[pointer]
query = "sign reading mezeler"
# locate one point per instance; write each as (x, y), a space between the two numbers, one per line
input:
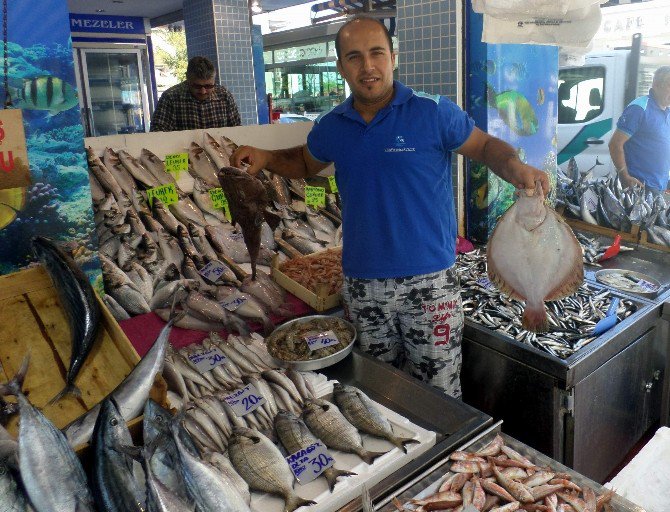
(14, 168)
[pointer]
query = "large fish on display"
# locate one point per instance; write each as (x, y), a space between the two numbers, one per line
(248, 201)
(533, 256)
(79, 302)
(48, 93)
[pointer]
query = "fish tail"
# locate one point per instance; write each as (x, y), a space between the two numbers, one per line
(69, 389)
(15, 385)
(535, 318)
(332, 474)
(369, 457)
(401, 442)
(293, 501)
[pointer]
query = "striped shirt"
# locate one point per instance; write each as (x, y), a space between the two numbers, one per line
(177, 109)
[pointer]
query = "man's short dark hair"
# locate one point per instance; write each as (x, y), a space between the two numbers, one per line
(358, 18)
(200, 68)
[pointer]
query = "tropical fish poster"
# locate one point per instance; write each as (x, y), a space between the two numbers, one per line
(41, 82)
(512, 95)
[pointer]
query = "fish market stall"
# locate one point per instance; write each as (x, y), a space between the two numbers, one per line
(570, 392)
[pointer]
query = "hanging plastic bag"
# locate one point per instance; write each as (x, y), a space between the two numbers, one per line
(512, 10)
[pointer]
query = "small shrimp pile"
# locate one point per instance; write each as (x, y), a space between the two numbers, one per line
(289, 343)
(324, 268)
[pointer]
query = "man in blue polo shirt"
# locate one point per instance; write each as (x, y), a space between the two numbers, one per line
(640, 146)
(392, 149)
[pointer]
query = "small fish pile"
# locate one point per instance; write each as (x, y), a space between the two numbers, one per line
(571, 320)
(533, 256)
(593, 249)
(289, 343)
(497, 478)
(604, 202)
(312, 272)
(151, 251)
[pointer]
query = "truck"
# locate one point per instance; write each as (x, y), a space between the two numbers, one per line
(591, 98)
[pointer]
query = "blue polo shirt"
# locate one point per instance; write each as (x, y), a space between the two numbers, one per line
(647, 150)
(394, 178)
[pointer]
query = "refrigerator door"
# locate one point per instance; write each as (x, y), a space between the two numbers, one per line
(115, 91)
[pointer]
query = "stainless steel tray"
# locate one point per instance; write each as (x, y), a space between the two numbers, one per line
(629, 281)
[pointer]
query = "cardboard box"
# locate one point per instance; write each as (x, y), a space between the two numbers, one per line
(33, 322)
(320, 301)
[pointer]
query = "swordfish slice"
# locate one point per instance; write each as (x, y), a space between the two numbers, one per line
(533, 256)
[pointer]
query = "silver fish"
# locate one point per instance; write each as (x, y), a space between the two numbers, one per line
(223, 464)
(216, 152)
(137, 170)
(185, 210)
(156, 167)
(201, 166)
(102, 174)
(204, 201)
(120, 173)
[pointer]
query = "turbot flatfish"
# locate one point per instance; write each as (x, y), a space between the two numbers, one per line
(533, 256)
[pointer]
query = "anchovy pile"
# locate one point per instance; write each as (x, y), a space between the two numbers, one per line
(605, 202)
(571, 319)
(152, 252)
(593, 249)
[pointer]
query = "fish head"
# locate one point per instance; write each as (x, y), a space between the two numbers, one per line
(245, 435)
(530, 208)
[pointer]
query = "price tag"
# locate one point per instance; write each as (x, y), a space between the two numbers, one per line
(333, 184)
(321, 340)
(486, 283)
(308, 463)
(176, 163)
(14, 168)
(238, 237)
(646, 285)
(591, 200)
(315, 196)
(206, 360)
(219, 200)
(166, 193)
(233, 301)
(213, 270)
(245, 400)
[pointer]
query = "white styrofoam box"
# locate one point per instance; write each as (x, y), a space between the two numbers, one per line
(349, 487)
(646, 479)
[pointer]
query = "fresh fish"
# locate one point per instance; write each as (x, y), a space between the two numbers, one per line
(202, 167)
(120, 173)
(207, 487)
(226, 242)
(137, 170)
(534, 256)
(204, 201)
(157, 168)
(223, 464)
(320, 224)
(102, 174)
(228, 146)
(302, 244)
(78, 299)
(51, 472)
(186, 211)
(263, 466)
(12, 497)
(211, 311)
(130, 395)
(170, 248)
(281, 193)
(44, 92)
(165, 217)
(216, 152)
(97, 192)
(294, 436)
(364, 415)
(246, 307)
(328, 424)
(113, 482)
(248, 202)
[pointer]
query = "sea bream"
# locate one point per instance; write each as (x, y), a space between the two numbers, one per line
(534, 256)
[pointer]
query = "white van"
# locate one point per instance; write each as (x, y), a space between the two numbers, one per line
(592, 97)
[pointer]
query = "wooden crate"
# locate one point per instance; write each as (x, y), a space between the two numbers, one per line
(644, 241)
(33, 322)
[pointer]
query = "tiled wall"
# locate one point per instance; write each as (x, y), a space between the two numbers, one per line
(220, 31)
(427, 40)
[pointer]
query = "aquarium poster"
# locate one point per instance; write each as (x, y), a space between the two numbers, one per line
(41, 82)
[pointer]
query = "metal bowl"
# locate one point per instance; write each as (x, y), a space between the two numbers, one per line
(627, 281)
(322, 362)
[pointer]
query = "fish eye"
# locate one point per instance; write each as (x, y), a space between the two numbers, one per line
(159, 419)
(114, 422)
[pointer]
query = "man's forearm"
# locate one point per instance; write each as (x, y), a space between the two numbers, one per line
(289, 163)
(498, 155)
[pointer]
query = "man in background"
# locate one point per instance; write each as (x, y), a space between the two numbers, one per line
(195, 103)
(640, 146)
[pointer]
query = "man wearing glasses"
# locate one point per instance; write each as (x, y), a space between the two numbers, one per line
(195, 103)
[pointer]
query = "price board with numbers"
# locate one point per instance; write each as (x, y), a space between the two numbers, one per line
(245, 400)
(308, 464)
(167, 194)
(176, 163)
(321, 340)
(219, 200)
(208, 359)
(315, 196)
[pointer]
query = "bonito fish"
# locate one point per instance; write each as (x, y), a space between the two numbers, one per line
(533, 256)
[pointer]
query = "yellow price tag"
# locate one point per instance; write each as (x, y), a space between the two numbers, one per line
(333, 184)
(166, 193)
(315, 196)
(176, 163)
(219, 200)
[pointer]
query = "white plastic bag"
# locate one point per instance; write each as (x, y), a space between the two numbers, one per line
(513, 9)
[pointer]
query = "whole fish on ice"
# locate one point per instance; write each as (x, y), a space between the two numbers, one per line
(533, 256)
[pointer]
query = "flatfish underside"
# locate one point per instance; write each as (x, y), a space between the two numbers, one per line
(533, 256)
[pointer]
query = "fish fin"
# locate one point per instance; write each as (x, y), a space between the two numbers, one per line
(332, 474)
(570, 286)
(535, 318)
(272, 219)
(401, 442)
(293, 501)
(14, 386)
(69, 389)
(500, 283)
(369, 457)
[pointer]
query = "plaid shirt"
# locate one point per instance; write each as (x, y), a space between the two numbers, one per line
(177, 109)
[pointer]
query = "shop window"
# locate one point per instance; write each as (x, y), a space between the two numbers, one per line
(580, 94)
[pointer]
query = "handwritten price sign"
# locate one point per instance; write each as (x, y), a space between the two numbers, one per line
(321, 340)
(308, 463)
(245, 400)
(213, 270)
(167, 194)
(315, 196)
(333, 184)
(14, 168)
(219, 200)
(484, 282)
(206, 360)
(176, 163)
(234, 301)
(647, 286)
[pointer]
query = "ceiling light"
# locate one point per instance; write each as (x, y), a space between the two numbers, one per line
(256, 7)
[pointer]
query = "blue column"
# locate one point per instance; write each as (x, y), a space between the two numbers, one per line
(220, 30)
